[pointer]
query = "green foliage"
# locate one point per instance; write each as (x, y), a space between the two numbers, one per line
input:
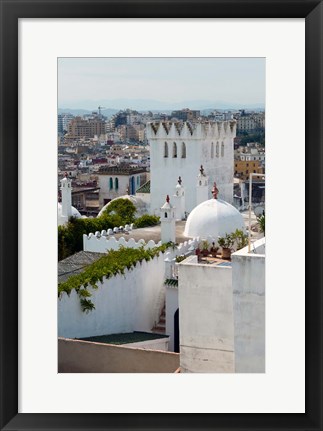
(109, 265)
(70, 237)
(87, 305)
(261, 221)
(247, 137)
(226, 241)
(118, 213)
(180, 258)
(240, 239)
(146, 220)
(122, 208)
(205, 245)
(234, 240)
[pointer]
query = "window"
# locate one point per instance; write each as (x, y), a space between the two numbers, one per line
(183, 150)
(165, 149)
(174, 150)
(217, 150)
(165, 215)
(212, 150)
(111, 183)
(116, 183)
(222, 149)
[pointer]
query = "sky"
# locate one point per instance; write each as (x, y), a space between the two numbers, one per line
(83, 82)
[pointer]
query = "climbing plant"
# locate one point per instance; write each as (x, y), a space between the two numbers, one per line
(118, 213)
(113, 263)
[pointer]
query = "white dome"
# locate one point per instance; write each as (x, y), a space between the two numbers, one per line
(213, 218)
(61, 221)
(139, 203)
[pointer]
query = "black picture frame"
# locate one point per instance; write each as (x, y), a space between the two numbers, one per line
(11, 11)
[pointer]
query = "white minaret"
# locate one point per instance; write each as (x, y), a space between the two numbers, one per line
(66, 189)
(179, 200)
(202, 187)
(167, 220)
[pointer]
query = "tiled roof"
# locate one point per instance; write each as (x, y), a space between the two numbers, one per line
(145, 188)
(75, 264)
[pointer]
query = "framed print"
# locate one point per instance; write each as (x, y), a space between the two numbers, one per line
(287, 392)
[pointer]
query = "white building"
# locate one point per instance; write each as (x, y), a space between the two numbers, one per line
(116, 181)
(179, 149)
(215, 309)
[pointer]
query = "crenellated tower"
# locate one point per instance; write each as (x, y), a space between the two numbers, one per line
(180, 148)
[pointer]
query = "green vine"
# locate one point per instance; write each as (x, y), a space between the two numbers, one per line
(109, 265)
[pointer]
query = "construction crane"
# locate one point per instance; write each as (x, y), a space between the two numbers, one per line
(99, 108)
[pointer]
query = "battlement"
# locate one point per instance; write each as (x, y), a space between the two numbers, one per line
(185, 130)
(101, 243)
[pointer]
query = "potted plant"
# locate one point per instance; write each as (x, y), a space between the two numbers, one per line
(205, 248)
(226, 242)
(214, 250)
(240, 239)
(261, 221)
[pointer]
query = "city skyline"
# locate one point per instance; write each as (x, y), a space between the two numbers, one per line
(161, 83)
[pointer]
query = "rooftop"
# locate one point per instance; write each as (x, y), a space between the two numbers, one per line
(153, 232)
(75, 264)
(122, 169)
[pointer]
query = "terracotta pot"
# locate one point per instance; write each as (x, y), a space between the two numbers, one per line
(214, 251)
(226, 253)
(205, 253)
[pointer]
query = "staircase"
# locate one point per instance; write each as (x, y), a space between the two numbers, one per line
(160, 327)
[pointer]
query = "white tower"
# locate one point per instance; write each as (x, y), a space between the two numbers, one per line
(202, 187)
(167, 219)
(179, 200)
(183, 147)
(66, 189)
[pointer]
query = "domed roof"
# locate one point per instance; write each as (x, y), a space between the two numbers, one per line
(75, 213)
(213, 218)
(139, 203)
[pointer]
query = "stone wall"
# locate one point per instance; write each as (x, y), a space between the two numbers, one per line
(76, 356)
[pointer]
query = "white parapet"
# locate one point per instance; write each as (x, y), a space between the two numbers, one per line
(100, 243)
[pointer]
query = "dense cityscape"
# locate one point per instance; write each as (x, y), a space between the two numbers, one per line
(101, 147)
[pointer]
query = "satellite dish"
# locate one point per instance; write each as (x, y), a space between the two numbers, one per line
(259, 210)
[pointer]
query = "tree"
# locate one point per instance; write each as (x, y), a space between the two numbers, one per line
(123, 208)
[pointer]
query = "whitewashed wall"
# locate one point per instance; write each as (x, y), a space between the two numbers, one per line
(248, 281)
(102, 243)
(124, 303)
(205, 317)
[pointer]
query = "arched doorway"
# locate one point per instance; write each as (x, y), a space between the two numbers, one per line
(176, 331)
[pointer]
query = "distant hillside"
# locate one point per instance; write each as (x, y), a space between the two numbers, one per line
(114, 105)
(106, 112)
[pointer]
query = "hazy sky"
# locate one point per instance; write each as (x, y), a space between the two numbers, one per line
(228, 80)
